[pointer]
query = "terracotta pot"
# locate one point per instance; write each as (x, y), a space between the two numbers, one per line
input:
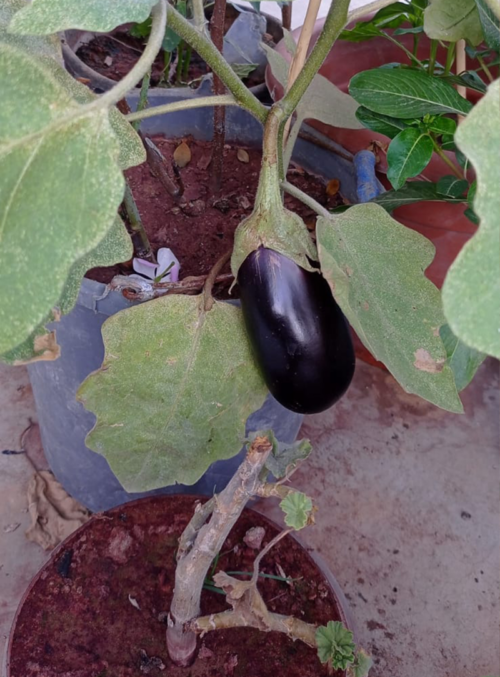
(442, 223)
(99, 606)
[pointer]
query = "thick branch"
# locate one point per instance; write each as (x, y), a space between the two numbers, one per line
(201, 513)
(293, 627)
(193, 566)
(217, 63)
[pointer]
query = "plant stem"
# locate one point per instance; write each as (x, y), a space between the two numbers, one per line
(485, 68)
(178, 72)
(264, 552)
(445, 158)
(194, 564)
(334, 23)
(153, 46)
(411, 56)
(416, 40)
(301, 53)
(460, 67)
(202, 102)
(217, 162)
(306, 199)
(432, 57)
(143, 98)
(198, 14)
(207, 289)
(216, 62)
(136, 225)
(450, 58)
(286, 15)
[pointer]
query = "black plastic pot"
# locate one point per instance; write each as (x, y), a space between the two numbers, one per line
(64, 423)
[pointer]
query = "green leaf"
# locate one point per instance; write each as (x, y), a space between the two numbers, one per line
(392, 16)
(469, 79)
(464, 361)
(472, 193)
(361, 666)
(471, 291)
(286, 457)
(291, 46)
(411, 192)
(383, 124)
(174, 391)
(408, 154)
(132, 151)
(243, 70)
(60, 190)
(278, 64)
(170, 40)
(413, 30)
(141, 30)
(297, 508)
(42, 17)
(335, 645)
(441, 125)
(44, 46)
(364, 30)
(453, 20)
(472, 216)
(490, 24)
(115, 247)
(451, 186)
(375, 267)
(406, 93)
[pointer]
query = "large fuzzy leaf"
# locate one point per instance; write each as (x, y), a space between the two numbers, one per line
(42, 17)
(453, 20)
(471, 291)
(173, 394)
(406, 93)
(60, 189)
(40, 46)
(375, 268)
(490, 23)
(464, 361)
(115, 247)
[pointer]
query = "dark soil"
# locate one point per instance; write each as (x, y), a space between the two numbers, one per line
(115, 54)
(199, 227)
(98, 608)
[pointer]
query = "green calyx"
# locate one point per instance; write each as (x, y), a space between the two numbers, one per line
(270, 225)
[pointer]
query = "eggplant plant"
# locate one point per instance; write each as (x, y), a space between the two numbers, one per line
(200, 545)
(191, 359)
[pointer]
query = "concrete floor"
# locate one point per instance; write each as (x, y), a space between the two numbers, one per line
(408, 500)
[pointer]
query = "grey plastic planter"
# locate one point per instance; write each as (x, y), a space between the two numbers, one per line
(64, 423)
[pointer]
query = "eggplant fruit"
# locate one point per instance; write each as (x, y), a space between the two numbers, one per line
(299, 335)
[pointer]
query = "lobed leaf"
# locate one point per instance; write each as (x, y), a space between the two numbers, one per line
(471, 290)
(375, 267)
(464, 361)
(60, 189)
(335, 645)
(42, 17)
(174, 391)
(453, 20)
(297, 508)
(285, 457)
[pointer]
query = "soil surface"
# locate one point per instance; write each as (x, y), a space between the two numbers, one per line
(99, 607)
(116, 53)
(199, 226)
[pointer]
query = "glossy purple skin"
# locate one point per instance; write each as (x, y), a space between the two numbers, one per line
(300, 336)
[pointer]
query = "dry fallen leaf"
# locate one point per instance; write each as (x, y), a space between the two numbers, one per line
(332, 187)
(182, 155)
(242, 155)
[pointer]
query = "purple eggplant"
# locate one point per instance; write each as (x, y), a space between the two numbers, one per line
(299, 335)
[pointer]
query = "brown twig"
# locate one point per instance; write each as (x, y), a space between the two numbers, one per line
(211, 277)
(286, 16)
(217, 35)
(137, 290)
